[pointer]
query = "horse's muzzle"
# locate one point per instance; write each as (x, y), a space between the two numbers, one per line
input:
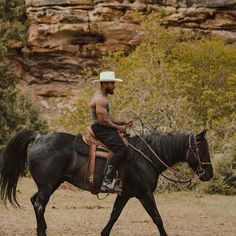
(206, 176)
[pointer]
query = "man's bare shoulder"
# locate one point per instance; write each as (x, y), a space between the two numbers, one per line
(99, 100)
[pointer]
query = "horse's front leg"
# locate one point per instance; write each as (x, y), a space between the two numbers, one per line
(148, 202)
(119, 204)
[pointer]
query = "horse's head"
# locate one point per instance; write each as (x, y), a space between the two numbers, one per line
(198, 156)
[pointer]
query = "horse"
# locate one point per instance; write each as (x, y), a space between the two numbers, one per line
(52, 159)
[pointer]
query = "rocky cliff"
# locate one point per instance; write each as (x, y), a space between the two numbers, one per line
(66, 38)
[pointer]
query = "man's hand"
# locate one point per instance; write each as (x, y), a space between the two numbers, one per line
(122, 128)
(129, 124)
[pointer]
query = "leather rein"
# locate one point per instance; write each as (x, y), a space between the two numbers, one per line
(199, 171)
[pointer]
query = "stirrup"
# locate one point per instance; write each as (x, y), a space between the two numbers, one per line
(111, 188)
(106, 189)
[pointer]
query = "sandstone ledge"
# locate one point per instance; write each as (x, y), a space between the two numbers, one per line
(68, 37)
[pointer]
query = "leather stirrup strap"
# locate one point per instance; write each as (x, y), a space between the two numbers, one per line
(91, 164)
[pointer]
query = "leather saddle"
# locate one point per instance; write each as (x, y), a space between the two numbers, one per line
(97, 150)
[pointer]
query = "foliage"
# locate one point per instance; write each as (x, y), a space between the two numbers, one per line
(171, 84)
(17, 111)
(13, 24)
(75, 115)
(211, 85)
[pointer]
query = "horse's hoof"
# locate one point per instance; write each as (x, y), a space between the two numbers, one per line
(165, 234)
(104, 234)
(41, 234)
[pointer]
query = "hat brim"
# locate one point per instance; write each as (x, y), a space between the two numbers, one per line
(108, 80)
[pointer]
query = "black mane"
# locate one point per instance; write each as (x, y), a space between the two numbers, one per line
(169, 147)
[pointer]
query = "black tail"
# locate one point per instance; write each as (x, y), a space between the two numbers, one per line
(13, 164)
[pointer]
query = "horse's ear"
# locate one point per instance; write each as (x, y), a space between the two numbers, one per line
(201, 135)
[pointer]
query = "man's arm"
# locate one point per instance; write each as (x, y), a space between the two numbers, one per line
(118, 122)
(103, 116)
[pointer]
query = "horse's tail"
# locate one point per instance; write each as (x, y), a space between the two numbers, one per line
(13, 164)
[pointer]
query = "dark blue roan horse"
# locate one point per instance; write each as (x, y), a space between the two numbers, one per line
(52, 159)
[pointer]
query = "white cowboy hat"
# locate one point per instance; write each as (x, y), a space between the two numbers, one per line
(107, 76)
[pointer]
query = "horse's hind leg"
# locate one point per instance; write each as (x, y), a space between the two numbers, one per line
(39, 201)
(119, 204)
(149, 204)
(38, 209)
(33, 198)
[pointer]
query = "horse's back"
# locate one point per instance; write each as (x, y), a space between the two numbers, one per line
(51, 143)
(51, 154)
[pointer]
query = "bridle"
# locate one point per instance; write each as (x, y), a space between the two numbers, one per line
(199, 171)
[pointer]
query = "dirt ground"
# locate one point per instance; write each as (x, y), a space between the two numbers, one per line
(75, 212)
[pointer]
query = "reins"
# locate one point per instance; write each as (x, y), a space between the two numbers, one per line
(169, 168)
(102, 198)
(199, 170)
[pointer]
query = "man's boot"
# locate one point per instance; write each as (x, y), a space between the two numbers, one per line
(108, 183)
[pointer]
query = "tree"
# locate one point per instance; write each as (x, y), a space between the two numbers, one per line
(16, 110)
(13, 24)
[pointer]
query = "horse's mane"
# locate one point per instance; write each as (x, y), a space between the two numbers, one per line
(166, 146)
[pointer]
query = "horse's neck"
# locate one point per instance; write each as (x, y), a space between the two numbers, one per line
(170, 150)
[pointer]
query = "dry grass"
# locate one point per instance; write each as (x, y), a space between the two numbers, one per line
(74, 212)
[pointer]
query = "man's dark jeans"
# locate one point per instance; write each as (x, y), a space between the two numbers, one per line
(113, 141)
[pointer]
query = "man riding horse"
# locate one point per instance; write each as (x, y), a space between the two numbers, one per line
(106, 128)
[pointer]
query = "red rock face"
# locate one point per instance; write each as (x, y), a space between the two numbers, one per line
(66, 38)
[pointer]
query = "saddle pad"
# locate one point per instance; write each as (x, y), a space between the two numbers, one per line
(80, 146)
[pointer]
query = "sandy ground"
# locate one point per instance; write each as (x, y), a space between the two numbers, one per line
(76, 212)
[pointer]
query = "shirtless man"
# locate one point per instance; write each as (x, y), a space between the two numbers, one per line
(106, 127)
